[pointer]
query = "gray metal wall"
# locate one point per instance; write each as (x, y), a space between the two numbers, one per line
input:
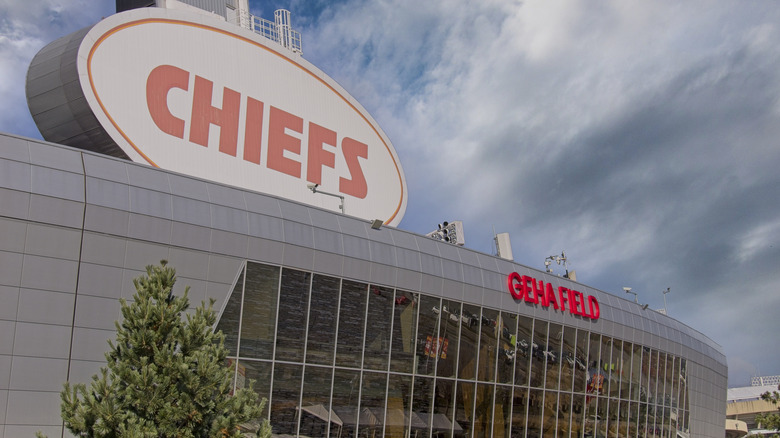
(77, 227)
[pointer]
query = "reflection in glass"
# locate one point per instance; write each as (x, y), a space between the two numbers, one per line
(507, 348)
(523, 355)
(606, 366)
(260, 373)
(346, 395)
(372, 404)
(539, 353)
(483, 410)
(636, 372)
(464, 405)
(564, 414)
(322, 319)
(581, 361)
(501, 411)
(553, 356)
(535, 411)
(469, 329)
(595, 384)
(293, 308)
(625, 371)
(449, 331)
(487, 345)
(422, 401)
(229, 320)
(316, 414)
(519, 411)
(285, 398)
(614, 369)
(399, 403)
(430, 346)
(404, 331)
(577, 415)
(380, 313)
(258, 325)
(568, 360)
(550, 413)
(352, 316)
(443, 421)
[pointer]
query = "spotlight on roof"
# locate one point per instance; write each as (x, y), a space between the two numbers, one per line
(376, 224)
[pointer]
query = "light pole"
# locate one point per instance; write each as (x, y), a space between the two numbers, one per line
(668, 289)
(313, 188)
(628, 291)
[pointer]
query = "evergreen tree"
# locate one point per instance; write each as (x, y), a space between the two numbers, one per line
(166, 375)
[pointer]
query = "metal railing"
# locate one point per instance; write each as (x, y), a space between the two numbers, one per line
(278, 30)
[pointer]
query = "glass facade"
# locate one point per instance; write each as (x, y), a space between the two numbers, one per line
(341, 358)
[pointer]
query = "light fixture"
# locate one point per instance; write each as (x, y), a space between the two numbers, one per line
(628, 291)
(313, 188)
(645, 307)
(376, 224)
(668, 289)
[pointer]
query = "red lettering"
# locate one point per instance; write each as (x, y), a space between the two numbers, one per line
(573, 304)
(594, 307)
(161, 80)
(581, 304)
(318, 156)
(513, 282)
(204, 115)
(563, 297)
(279, 141)
(253, 132)
(550, 296)
(352, 150)
(538, 286)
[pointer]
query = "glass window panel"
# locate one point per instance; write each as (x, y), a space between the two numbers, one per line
(591, 416)
(483, 412)
(580, 362)
(523, 355)
(552, 354)
(404, 331)
(285, 398)
(443, 421)
(486, 370)
(429, 345)
(322, 319)
(578, 410)
(449, 330)
(613, 369)
(633, 421)
(352, 317)
(315, 411)
(613, 417)
(636, 372)
(380, 314)
(568, 362)
(550, 414)
(258, 372)
(601, 417)
(653, 388)
(535, 411)
(668, 380)
(605, 364)
(372, 404)
(293, 308)
(643, 418)
(464, 406)
(346, 394)
(229, 319)
(595, 384)
(501, 412)
(519, 411)
(641, 358)
(422, 403)
(538, 350)
(507, 347)
(397, 417)
(625, 371)
(469, 329)
(564, 414)
(261, 294)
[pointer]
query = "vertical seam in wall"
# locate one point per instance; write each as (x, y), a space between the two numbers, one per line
(78, 273)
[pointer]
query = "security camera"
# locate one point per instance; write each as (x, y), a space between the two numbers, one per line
(312, 187)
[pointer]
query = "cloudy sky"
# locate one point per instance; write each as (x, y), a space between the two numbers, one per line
(641, 137)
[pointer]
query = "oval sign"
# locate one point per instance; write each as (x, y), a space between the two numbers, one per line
(206, 98)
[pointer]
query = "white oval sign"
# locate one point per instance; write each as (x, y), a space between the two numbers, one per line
(207, 98)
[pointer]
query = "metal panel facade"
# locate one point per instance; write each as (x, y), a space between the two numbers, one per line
(53, 267)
